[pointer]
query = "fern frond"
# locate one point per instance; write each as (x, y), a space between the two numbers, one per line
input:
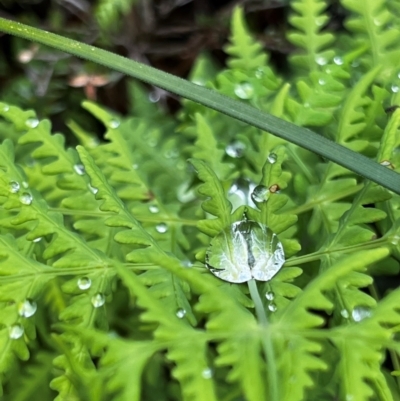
(369, 24)
(217, 204)
(310, 20)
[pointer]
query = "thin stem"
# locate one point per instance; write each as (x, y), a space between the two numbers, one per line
(267, 343)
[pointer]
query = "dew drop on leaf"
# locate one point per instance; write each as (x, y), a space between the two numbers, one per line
(338, 60)
(360, 313)
(244, 90)
(272, 307)
(259, 73)
(98, 300)
(395, 88)
(26, 198)
(245, 250)
(153, 209)
(6, 107)
(38, 239)
(180, 313)
(114, 123)
(16, 331)
(32, 122)
(25, 184)
(345, 313)
(235, 149)
(322, 81)
(270, 296)
(14, 187)
(79, 169)
(321, 60)
(207, 373)
(93, 190)
(272, 158)
(27, 308)
(260, 194)
(84, 283)
(240, 193)
(161, 228)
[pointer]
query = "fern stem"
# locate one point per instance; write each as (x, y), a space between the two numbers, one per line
(347, 249)
(267, 344)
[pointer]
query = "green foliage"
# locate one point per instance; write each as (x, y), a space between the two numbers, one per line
(103, 246)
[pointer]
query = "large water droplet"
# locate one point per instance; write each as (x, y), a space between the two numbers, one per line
(272, 307)
(79, 169)
(161, 228)
(84, 283)
(207, 373)
(180, 313)
(360, 313)
(14, 187)
(260, 194)
(239, 193)
(235, 149)
(154, 96)
(114, 123)
(16, 331)
(244, 90)
(26, 198)
(345, 313)
(245, 250)
(98, 300)
(338, 60)
(154, 209)
(272, 158)
(270, 296)
(32, 122)
(27, 308)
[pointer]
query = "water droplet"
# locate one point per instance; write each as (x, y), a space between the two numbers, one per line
(161, 228)
(270, 296)
(32, 122)
(79, 169)
(154, 209)
(26, 198)
(6, 107)
(355, 64)
(244, 90)
(272, 158)
(394, 240)
(260, 194)
(114, 123)
(14, 187)
(84, 283)
(38, 239)
(321, 60)
(377, 22)
(395, 88)
(239, 193)
(93, 190)
(322, 81)
(245, 250)
(272, 307)
(135, 166)
(98, 300)
(16, 331)
(386, 163)
(207, 373)
(154, 96)
(180, 313)
(398, 75)
(27, 308)
(235, 149)
(25, 184)
(345, 313)
(259, 73)
(360, 313)
(338, 60)
(199, 82)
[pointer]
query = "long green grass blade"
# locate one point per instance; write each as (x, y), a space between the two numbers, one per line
(236, 109)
